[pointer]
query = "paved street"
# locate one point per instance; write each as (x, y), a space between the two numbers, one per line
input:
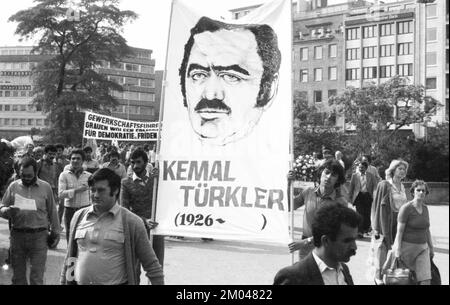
(193, 261)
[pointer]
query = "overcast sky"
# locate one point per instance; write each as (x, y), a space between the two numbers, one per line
(149, 31)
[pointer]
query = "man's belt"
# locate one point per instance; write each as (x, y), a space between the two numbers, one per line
(37, 230)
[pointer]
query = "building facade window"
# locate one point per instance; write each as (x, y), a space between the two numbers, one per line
(332, 73)
(431, 58)
(369, 31)
(386, 50)
(317, 96)
(318, 74)
(431, 10)
(147, 97)
(332, 92)
(405, 69)
(369, 72)
(387, 71)
(147, 69)
(405, 48)
(30, 122)
(7, 122)
(304, 76)
(7, 108)
(150, 83)
(318, 52)
(386, 29)
(352, 54)
(352, 74)
(404, 27)
(332, 50)
(131, 81)
(303, 54)
(431, 83)
(431, 34)
(132, 67)
(352, 34)
(369, 52)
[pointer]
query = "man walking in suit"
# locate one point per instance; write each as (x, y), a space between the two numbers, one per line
(334, 230)
(362, 186)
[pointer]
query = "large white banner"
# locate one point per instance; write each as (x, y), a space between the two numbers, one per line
(102, 127)
(224, 151)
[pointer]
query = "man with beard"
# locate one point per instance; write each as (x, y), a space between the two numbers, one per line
(136, 194)
(229, 77)
(335, 229)
(29, 204)
(47, 169)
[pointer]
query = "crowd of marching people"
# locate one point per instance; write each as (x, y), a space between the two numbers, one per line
(109, 241)
(102, 200)
(336, 216)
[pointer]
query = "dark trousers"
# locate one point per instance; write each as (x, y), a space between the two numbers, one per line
(68, 215)
(60, 209)
(363, 203)
(158, 247)
(32, 246)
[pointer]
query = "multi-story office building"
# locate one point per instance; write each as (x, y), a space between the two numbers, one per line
(18, 116)
(318, 46)
(403, 38)
(359, 42)
(137, 75)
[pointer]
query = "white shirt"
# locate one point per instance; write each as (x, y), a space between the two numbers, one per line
(330, 276)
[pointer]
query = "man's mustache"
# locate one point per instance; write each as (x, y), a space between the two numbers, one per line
(212, 104)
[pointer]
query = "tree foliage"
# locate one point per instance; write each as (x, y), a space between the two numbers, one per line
(313, 128)
(68, 82)
(378, 112)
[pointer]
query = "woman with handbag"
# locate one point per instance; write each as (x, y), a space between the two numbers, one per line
(413, 243)
(390, 196)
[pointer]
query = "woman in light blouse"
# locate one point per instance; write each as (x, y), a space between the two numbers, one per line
(390, 196)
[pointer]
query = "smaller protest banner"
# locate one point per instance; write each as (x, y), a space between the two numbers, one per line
(102, 127)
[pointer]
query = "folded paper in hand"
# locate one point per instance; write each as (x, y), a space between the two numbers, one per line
(24, 203)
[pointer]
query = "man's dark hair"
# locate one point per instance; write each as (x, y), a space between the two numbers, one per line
(268, 51)
(78, 152)
(50, 148)
(26, 162)
(59, 146)
(87, 149)
(114, 153)
(328, 220)
(368, 157)
(336, 169)
(139, 153)
(108, 175)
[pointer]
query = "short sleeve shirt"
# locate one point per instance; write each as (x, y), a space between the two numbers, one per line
(416, 225)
